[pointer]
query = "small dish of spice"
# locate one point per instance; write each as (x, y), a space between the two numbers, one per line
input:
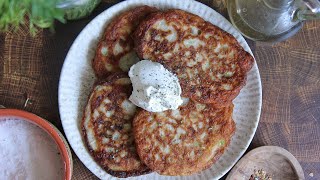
(267, 163)
(32, 148)
(260, 175)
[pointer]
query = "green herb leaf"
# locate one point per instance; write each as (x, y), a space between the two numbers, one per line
(40, 13)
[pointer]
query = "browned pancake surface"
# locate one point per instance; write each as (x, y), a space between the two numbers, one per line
(209, 62)
(183, 141)
(107, 128)
(115, 50)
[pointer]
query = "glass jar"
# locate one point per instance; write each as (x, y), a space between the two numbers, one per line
(76, 9)
(271, 20)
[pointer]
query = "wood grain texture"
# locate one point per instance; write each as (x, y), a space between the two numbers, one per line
(290, 116)
(290, 72)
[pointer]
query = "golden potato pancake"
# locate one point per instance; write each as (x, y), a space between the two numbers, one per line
(183, 141)
(211, 65)
(115, 50)
(107, 127)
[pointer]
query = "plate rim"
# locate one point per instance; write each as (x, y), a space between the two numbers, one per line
(250, 137)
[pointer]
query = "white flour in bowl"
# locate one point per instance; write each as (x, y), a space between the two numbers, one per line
(28, 152)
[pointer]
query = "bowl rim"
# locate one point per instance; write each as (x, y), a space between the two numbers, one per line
(51, 130)
(269, 150)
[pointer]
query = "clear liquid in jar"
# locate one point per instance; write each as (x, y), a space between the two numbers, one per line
(260, 20)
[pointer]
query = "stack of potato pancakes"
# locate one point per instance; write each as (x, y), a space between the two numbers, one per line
(212, 68)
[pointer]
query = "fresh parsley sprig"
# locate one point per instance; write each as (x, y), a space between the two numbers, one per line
(38, 13)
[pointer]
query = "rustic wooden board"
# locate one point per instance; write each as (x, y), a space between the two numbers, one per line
(290, 72)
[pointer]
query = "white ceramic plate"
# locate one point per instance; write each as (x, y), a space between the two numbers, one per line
(77, 78)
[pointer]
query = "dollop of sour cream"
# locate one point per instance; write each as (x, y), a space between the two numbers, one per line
(155, 88)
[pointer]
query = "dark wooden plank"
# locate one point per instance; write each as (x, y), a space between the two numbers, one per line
(290, 116)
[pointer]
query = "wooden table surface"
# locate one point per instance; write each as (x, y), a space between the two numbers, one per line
(290, 73)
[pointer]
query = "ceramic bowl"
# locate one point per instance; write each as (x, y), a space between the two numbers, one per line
(51, 130)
